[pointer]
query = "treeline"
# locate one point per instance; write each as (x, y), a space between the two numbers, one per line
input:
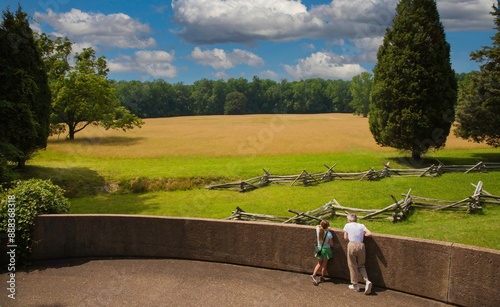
(211, 97)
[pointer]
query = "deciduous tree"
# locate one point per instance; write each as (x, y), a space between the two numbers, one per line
(360, 88)
(83, 96)
(479, 99)
(235, 103)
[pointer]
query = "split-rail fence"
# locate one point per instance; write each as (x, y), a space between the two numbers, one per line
(307, 179)
(397, 211)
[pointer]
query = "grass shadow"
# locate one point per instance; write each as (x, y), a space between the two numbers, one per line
(409, 162)
(96, 141)
(487, 156)
(133, 204)
(473, 159)
(76, 181)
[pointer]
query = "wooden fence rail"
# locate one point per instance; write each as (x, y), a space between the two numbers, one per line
(397, 211)
(308, 179)
(471, 204)
(304, 218)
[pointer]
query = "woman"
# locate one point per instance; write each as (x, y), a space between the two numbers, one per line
(324, 240)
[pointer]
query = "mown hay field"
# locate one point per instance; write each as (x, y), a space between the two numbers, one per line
(231, 136)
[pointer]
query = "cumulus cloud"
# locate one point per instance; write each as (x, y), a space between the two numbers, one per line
(115, 30)
(350, 19)
(151, 63)
(219, 59)
(268, 74)
(367, 48)
(221, 75)
(243, 21)
(357, 24)
(468, 15)
(324, 65)
(249, 21)
(35, 27)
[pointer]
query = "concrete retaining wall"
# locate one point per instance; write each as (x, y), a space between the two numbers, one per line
(451, 273)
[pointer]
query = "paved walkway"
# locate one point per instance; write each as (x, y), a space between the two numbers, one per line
(170, 282)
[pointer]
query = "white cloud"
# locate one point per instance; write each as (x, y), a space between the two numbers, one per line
(219, 59)
(35, 27)
(115, 30)
(354, 19)
(324, 65)
(468, 15)
(268, 74)
(368, 48)
(248, 21)
(308, 47)
(243, 21)
(362, 23)
(221, 75)
(152, 63)
(160, 9)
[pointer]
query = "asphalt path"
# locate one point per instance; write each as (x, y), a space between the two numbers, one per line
(174, 282)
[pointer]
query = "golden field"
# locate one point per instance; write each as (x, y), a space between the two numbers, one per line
(243, 135)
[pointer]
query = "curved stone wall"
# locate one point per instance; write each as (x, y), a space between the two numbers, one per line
(447, 272)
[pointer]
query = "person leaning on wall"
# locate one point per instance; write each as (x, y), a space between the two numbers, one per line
(355, 232)
(324, 241)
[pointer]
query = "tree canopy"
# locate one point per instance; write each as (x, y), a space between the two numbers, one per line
(361, 87)
(479, 99)
(236, 104)
(208, 97)
(414, 87)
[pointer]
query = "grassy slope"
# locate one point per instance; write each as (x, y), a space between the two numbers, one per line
(201, 148)
(480, 230)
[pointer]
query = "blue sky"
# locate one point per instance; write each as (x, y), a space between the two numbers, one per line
(187, 40)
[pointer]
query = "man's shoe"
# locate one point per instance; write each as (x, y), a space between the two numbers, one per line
(368, 287)
(315, 282)
(322, 279)
(354, 287)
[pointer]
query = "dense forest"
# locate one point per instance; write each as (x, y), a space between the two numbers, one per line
(209, 97)
(159, 98)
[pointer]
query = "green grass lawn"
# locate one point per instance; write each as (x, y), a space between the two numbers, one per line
(154, 172)
(458, 227)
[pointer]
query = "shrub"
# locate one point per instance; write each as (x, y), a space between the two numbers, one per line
(6, 173)
(20, 205)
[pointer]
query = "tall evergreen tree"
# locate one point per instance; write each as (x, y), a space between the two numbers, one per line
(24, 90)
(414, 88)
(479, 99)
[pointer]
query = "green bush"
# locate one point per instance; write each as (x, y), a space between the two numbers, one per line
(6, 172)
(20, 205)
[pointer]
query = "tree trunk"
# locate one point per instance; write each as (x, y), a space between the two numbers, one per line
(21, 163)
(416, 154)
(71, 135)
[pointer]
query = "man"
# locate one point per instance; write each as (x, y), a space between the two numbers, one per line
(355, 232)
